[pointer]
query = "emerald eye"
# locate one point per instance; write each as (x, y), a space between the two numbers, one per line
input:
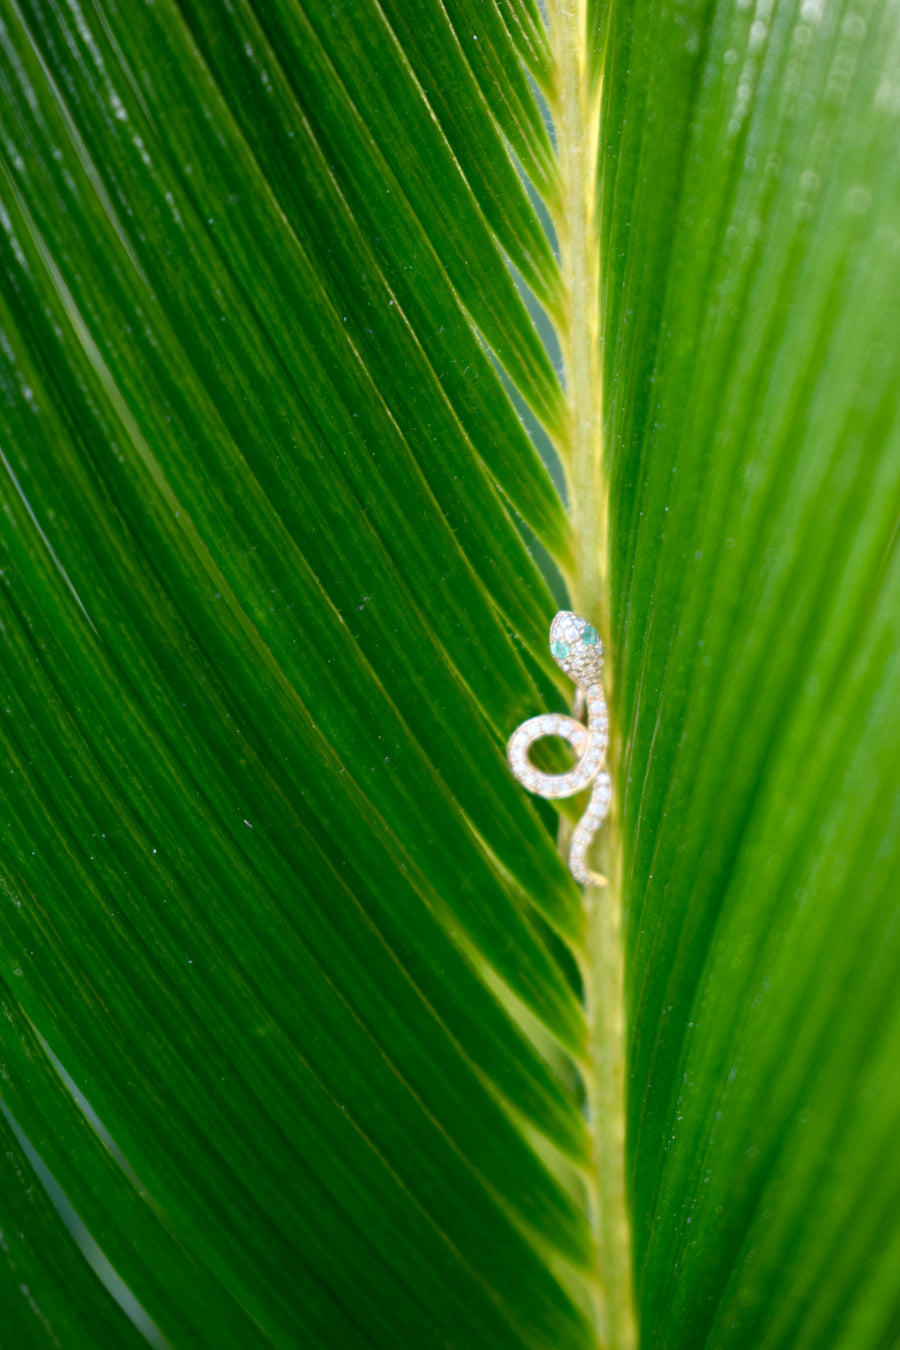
(559, 649)
(589, 636)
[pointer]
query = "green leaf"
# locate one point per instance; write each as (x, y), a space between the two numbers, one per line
(751, 195)
(302, 1009)
(259, 839)
(49, 1294)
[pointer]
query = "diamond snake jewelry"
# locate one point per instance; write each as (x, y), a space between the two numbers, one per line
(577, 650)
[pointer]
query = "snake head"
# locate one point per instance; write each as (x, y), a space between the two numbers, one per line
(576, 648)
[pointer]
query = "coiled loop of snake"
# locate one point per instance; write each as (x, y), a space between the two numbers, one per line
(578, 651)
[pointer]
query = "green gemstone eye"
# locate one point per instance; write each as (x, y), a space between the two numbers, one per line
(559, 649)
(589, 636)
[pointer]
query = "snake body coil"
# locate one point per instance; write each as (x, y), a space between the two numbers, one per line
(577, 650)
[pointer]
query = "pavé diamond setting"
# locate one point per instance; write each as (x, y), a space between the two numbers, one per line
(577, 650)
